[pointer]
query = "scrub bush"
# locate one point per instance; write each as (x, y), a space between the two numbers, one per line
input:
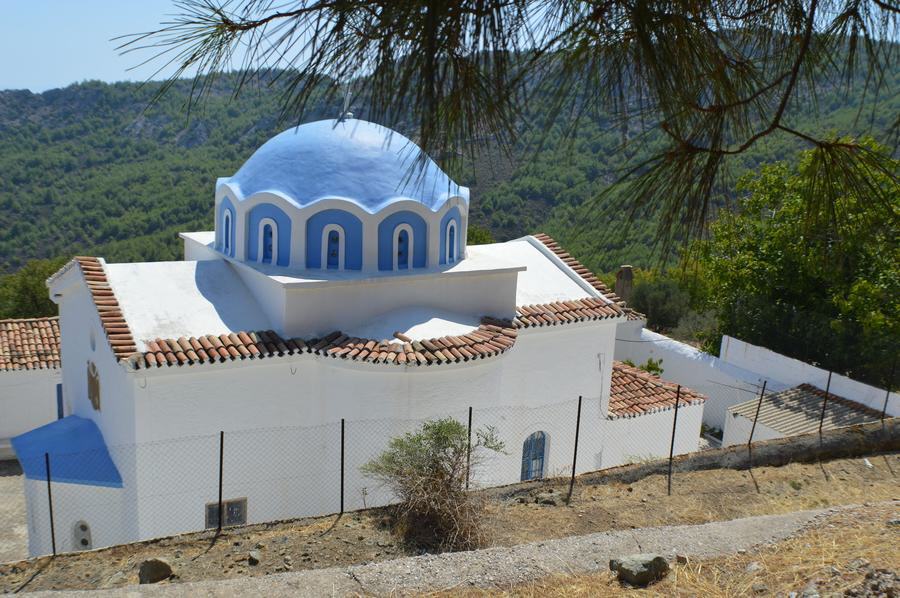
(427, 471)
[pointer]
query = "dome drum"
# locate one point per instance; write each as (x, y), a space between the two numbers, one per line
(347, 195)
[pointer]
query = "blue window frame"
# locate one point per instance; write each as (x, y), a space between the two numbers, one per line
(402, 250)
(267, 243)
(334, 249)
(533, 456)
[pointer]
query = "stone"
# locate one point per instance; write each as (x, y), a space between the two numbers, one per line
(154, 570)
(759, 588)
(546, 498)
(640, 569)
(753, 567)
(857, 564)
(810, 591)
(894, 523)
(254, 557)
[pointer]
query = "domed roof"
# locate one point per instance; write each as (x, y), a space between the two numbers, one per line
(351, 159)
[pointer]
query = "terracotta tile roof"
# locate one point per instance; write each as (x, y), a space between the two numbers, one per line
(118, 334)
(634, 392)
(798, 410)
(565, 312)
(586, 274)
(490, 339)
(29, 344)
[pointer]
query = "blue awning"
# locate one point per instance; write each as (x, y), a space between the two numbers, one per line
(78, 454)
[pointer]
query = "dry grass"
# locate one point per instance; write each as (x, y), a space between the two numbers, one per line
(699, 497)
(822, 554)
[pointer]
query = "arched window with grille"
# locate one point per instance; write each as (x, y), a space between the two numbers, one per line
(451, 242)
(226, 232)
(533, 454)
(334, 249)
(402, 248)
(268, 243)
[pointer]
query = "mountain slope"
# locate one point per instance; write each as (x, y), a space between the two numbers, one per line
(91, 169)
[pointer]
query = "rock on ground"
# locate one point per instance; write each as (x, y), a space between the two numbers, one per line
(640, 569)
(154, 570)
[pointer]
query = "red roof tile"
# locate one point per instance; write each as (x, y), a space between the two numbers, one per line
(635, 392)
(586, 274)
(29, 344)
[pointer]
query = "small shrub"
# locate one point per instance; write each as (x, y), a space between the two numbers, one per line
(426, 470)
(651, 366)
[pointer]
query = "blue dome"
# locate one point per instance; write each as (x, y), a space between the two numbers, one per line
(355, 160)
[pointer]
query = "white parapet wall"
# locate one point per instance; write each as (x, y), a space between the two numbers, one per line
(793, 372)
(724, 384)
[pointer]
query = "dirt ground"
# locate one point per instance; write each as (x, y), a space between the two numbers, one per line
(362, 537)
(843, 555)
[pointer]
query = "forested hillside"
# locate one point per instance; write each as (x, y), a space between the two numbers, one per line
(90, 169)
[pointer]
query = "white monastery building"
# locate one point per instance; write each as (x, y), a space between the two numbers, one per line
(337, 285)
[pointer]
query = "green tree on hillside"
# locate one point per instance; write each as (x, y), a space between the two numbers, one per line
(24, 294)
(715, 78)
(821, 293)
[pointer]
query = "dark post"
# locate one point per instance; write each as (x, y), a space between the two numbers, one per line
(50, 502)
(756, 417)
(887, 393)
(221, 463)
(575, 455)
(672, 446)
(342, 466)
(824, 403)
(469, 451)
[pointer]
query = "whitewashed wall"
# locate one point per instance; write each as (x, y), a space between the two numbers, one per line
(793, 372)
(27, 401)
(648, 437)
(103, 509)
(724, 384)
(738, 428)
(285, 472)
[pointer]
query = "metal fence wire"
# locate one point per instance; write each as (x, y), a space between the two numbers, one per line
(233, 478)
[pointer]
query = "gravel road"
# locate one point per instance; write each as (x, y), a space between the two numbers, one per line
(494, 566)
(13, 524)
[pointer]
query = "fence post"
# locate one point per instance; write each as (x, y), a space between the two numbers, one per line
(575, 455)
(756, 417)
(672, 445)
(824, 403)
(221, 463)
(887, 393)
(469, 450)
(50, 502)
(342, 465)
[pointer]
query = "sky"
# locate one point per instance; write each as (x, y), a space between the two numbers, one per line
(46, 44)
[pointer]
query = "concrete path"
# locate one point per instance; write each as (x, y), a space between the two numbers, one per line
(13, 522)
(492, 567)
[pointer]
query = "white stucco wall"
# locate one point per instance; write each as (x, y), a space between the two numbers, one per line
(635, 439)
(793, 372)
(738, 428)
(27, 401)
(103, 509)
(281, 419)
(724, 384)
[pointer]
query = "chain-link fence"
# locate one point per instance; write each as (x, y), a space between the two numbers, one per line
(88, 499)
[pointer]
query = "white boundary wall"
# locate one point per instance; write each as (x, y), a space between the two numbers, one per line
(27, 401)
(793, 372)
(724, 384)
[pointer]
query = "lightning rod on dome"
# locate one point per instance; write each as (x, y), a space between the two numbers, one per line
(345, 113)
